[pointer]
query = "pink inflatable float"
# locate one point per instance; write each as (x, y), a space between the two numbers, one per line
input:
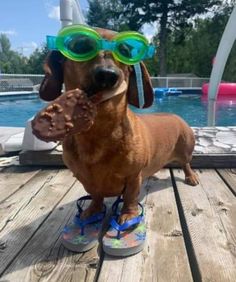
(227, 91)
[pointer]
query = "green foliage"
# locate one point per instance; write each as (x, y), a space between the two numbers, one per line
(106, 14)
(10, 61)
(170, 15)
(36, 59)
(97, 14)
(13, 62)
(195, 53)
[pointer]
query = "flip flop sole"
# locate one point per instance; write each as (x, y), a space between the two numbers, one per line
(123, 252)
(131, 241)
(72, 239)
(78, 248)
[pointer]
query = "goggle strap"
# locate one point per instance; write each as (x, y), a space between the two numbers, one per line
(108, 45)
(139, 80)
(150, 51)
(51, 42)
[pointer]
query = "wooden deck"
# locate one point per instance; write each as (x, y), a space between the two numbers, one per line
(191, 230)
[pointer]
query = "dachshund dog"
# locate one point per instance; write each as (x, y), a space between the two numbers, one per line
(121, 148)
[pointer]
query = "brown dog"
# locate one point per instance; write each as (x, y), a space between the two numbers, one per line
(121, 148)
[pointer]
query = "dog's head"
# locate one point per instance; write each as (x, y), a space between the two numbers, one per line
(102, 73)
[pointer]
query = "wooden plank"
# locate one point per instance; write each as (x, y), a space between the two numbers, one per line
(54, 158)
(229, 176)
(14, 178)
(210, 161)
(45, 158)
(210, 212)
(17, 232)
(45, 259)
(164, 257)
(10, 207)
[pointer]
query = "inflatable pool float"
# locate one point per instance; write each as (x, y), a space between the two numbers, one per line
(227, 91)
(160, 92)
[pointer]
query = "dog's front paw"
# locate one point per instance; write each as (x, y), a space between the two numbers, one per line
(192, 179)
(125, 216)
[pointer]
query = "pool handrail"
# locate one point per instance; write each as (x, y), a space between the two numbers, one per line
(222, 55)
(71, 13)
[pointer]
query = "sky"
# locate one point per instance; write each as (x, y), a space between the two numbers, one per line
(27, 22)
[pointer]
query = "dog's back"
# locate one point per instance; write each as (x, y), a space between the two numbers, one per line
(168, 138)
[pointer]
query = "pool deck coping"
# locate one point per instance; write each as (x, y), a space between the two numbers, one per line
(215, 147)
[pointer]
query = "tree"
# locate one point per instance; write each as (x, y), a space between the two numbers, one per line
(36, 60)
(13, 62)
(97, 14)
(194, 52)
(169, 14)
(10, 61)
(106, 14)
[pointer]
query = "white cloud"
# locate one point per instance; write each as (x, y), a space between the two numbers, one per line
(149, 30)
(31, 45)
(26, 48)
(9, 32)
(54, 12)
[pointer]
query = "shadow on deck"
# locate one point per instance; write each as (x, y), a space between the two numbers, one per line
(191, 231)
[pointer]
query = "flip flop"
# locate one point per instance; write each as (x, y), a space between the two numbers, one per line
(82, 234)
(125, 239)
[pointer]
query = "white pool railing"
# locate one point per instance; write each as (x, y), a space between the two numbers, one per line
(70, 13)
(222, 55)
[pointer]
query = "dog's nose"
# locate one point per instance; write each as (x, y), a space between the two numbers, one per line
(105, 78)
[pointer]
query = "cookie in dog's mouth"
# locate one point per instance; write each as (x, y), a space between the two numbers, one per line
(71, 113)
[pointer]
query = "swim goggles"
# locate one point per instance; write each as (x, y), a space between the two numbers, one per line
(82, 43)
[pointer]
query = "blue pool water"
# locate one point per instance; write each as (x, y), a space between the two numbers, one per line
(15, 112)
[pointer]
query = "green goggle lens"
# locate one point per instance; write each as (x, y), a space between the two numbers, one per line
(132, 49)
(81, 46)
(81, 43)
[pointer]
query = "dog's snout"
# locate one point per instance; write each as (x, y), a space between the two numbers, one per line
(105, 77)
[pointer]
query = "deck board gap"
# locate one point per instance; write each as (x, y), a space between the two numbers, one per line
(196, 274)
(35, 231)
(232, 189)
(37, 171)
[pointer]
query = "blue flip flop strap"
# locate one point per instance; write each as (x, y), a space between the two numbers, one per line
(80, 202)
(92, 219)
(127, 224)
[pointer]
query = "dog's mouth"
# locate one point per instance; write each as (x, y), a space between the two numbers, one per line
(99, 95)
(103, 95)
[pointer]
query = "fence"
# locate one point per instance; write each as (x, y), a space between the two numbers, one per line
(182, 82)
(31, 82)
(20, 82)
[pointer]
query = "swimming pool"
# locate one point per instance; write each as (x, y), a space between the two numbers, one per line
(15, 112)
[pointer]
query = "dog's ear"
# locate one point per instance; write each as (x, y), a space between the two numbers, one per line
(51, 85)
(147, 88)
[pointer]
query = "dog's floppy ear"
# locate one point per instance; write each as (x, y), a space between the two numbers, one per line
(51, 85)
(147, 88)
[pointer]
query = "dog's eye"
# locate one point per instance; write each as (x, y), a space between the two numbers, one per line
(125, 50)
(81, 44)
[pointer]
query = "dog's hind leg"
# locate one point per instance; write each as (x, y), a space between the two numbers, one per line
(191, 177)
